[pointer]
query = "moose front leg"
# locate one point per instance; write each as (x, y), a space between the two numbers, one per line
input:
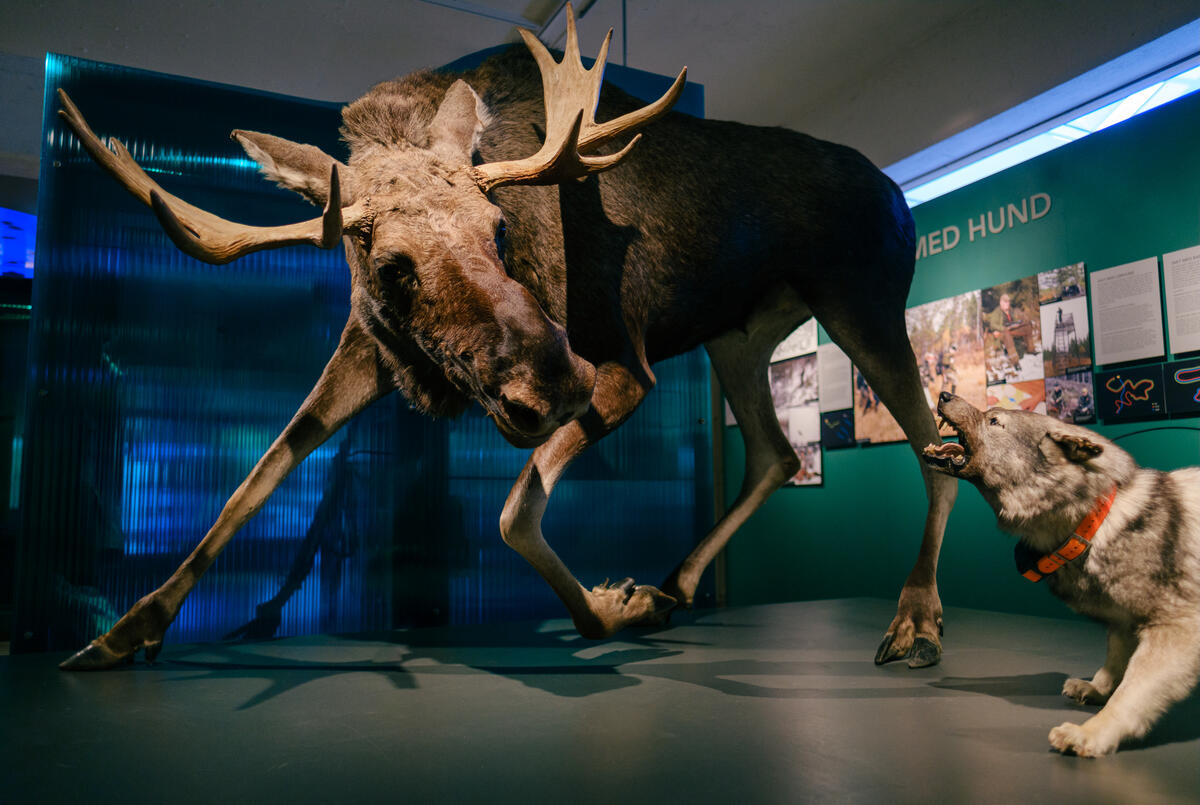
(351, 381)
(602, 610)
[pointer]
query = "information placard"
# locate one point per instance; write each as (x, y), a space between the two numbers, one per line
(833, 377)
(1181, 281)
(1127, 313)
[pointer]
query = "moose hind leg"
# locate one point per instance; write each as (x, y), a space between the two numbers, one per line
(876, 339)
(741, 360)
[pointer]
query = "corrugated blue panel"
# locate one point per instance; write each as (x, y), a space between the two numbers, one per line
(157, 381)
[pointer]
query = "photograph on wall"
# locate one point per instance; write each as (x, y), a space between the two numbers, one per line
(1070, 398)
(1181, 380)
(945, 339)
(794, 394)
(802, 425)
(1067, 282)
(1011, 322)
(1067, 341)
(837, 429)
(1023, 395)
(873, 422)
(809, 473)
(801, 341)
(794, 382)
(1181, 284)
(1132, 393)
(1127, 313)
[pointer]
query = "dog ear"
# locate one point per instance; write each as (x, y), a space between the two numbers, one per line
(1076, 448)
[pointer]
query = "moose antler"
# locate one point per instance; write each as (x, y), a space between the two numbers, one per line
(571, 94)
(195, 231)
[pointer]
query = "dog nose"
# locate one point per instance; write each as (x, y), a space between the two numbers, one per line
(945, 396)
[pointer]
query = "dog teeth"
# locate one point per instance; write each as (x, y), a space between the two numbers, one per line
(947, 451)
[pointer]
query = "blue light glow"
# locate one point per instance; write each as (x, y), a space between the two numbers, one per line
(18, 231)
(1116, 112)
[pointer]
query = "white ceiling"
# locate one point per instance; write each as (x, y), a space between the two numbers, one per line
(889, 77)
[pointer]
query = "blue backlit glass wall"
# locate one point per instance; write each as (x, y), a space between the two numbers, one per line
(16, 243)
(157, 381)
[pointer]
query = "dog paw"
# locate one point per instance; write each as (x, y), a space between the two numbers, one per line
(1081, 691)
(1074, 739)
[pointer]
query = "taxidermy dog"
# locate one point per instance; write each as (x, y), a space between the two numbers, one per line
(1116, 542)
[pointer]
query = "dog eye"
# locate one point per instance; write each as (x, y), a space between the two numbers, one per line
(993, 420)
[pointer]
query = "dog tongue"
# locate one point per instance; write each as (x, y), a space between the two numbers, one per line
(947, 450)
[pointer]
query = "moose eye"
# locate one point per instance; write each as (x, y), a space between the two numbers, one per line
(395, 267)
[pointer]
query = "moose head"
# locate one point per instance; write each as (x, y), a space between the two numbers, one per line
(424, 242)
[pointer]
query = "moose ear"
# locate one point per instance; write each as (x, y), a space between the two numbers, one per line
(302, 168)
(1076, 448)
(454, 132)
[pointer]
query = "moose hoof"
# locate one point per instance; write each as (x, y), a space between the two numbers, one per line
(924, 653)
(96, 656)
(915, 633)
(142, 627)
(615, 606)
(919, 652)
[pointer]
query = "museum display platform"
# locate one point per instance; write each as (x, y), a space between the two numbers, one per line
(777, 703)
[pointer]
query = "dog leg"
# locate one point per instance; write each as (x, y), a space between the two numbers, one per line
(1121, 643)
(1162, 670)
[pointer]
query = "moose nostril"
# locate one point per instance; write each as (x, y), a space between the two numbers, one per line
(521, 415)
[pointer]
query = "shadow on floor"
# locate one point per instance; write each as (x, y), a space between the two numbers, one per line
(1043, 691)
(1180, 724)
(549, 659)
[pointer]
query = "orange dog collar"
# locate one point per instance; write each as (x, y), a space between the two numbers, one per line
(1075, 546)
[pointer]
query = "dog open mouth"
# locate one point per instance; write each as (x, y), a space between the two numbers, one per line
(948, 456)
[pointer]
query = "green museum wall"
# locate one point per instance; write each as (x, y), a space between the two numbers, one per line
(1125, 193)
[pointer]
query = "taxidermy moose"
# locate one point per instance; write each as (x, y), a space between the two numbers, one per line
(477, 277)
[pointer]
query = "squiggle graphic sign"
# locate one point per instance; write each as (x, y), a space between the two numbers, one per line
(1129, 391)
(1189, 375)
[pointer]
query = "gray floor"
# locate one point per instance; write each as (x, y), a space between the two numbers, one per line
(768, 704)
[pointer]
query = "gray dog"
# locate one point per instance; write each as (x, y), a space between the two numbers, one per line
(1116, 542)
